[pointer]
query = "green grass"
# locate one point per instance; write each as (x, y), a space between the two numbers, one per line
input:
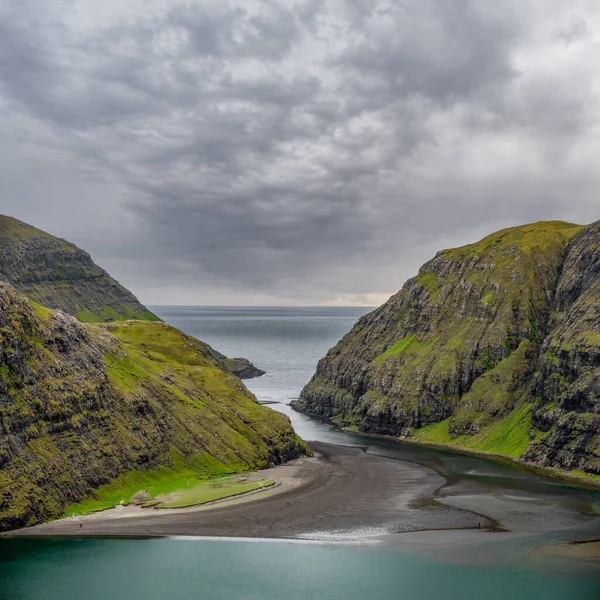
(41, 312)
(156, 482)
(209, 491)
(190, 487)
(405, 343)
(542, 235)
(430, 281)
(14, 229)
(509, 436)
(436, 433)
(488, 297)
(110, 314)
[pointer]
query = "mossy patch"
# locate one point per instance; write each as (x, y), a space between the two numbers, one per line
(408, 342)
(430, 281)
(509, 436)
(488, 297)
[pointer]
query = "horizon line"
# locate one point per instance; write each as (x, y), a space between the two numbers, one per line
(263, 305)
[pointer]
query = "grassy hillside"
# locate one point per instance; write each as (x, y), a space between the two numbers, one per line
(117, 405)
(493, 346)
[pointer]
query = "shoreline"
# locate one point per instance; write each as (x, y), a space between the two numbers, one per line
(340, 492)
(341, 495)
(284, 481)
(584, 481)
(586, 550)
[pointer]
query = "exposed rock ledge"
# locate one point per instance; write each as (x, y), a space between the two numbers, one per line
(243, 368)
(240, 367)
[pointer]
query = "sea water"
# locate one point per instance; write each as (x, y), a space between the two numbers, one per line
(183, 569)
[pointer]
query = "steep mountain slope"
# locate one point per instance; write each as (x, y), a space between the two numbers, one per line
(567, 385)
(493, 346)
(81, 405)
(59, 275)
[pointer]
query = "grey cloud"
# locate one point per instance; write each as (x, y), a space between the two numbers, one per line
(299, 150)
(572, 32)
(435, 48)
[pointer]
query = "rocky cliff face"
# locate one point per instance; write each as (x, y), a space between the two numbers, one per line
(59, 275)
(83, 404)
(566, 386)
(494, 346)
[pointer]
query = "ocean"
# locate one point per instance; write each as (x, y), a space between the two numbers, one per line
(285, 342)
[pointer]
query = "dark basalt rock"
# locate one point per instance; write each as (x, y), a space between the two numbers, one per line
(243, 368)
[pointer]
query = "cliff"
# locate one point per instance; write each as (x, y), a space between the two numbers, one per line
(84, 405)
(59, 275)
(494, 346)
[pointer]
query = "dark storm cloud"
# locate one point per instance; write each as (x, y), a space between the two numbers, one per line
(299, 150)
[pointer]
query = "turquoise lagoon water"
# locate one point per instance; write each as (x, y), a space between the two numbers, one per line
(178, 569)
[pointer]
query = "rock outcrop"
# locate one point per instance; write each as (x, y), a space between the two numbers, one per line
(82, 404)
(240, 367)
(494, 346)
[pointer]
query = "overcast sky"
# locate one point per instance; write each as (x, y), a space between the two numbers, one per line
(294, 151)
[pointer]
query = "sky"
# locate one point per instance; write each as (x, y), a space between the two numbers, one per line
(294, 152)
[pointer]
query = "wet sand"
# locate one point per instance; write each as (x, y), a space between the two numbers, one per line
(344, 493)
(581, 550)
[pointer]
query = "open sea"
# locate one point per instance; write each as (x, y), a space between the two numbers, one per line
(287, 343)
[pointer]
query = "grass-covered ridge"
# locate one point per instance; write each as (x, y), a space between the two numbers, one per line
(110, 407)
(57, 274)
(109, 314)
(542, 236)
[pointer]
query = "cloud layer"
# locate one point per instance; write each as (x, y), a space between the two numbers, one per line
(301, 151)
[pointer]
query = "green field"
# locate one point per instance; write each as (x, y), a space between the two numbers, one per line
(209, 491)
(185, 488)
